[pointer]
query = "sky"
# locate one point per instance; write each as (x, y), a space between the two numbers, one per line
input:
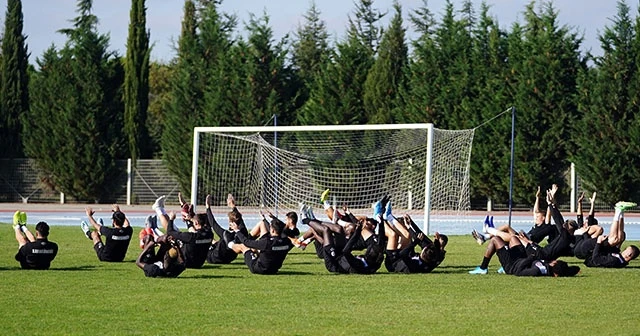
(43, 18)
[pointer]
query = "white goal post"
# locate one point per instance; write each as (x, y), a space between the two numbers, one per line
(423, 169)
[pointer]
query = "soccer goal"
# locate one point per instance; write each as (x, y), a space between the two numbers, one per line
(425, 170)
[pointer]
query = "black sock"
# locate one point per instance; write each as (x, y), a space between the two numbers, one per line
(485, 263)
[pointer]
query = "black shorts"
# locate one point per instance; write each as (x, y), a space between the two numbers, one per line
(394, 264)
(23, 261)
(99, 247)
(319, 250)
(220, 254)
(584, 248)
(509, 257)
(153, 271)
(561, 246)
(251, 260)
(331, 259)
(538, 232)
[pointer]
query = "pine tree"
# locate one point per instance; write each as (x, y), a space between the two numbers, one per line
(544, 64)
(491, 143)
(607, 133)
(337, 98)
(136, 84)
(454, 80)
(14, 82)
(267, 75)
(418, 97)
(75, 121)
(387, 74)
(310, 54)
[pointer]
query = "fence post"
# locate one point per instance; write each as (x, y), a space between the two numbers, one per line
(61, 198)
(574, 188)
(129, 178)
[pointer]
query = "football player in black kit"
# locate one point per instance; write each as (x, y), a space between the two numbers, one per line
(605, 250)
(402, 239)
(220, 252)
(34, 252)
(266, 254)
(337, 250)
(117, 238)
(195, 242)
(166, 262)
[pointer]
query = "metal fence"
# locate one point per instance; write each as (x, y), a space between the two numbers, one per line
(21, 180)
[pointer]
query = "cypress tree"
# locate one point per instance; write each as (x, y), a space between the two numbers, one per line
(159, 100)
(136, 84)
(186, 101)
(14, 82)
(216, 42)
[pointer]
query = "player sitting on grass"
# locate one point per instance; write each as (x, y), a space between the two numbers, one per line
(166, 262)
(33, 252)
(605, 250)
(266, 254)
(366, 239)
(195, 242)
(337, 249)
(562, 245)
(402, 238)
(290, 226)
(117, 238)
(515, 260)
(220, 252)
(542, 226)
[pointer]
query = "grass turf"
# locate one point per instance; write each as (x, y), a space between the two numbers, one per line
(80, 295)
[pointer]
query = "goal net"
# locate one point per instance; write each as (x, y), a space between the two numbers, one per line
(424, 170)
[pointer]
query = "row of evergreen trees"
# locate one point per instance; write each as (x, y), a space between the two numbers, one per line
(84, 106)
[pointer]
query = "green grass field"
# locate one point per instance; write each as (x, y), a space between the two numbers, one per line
(81, 295)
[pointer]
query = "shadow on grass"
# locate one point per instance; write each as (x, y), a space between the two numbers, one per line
(75, 268)
(454, 269)
(281, 272)
(208, 276)
(303, 262)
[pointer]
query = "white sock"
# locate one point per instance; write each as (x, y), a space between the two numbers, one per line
(390, 218)
(327, 205)
(161, 212)
(343, 223)
(157, 233)
(492, 231)
(23, 228)
(617, 215)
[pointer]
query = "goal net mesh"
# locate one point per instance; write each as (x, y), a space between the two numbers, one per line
(278, 171)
